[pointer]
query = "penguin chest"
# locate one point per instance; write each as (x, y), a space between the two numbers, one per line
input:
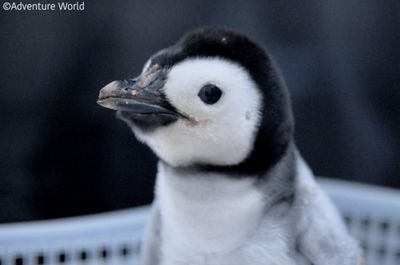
(216, 220)
(269, 245)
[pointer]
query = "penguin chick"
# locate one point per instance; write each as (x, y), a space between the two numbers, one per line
(231, 186)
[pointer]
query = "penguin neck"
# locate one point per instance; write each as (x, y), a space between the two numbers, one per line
(211, 212)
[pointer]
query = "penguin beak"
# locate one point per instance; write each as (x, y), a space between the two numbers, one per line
(140, 98)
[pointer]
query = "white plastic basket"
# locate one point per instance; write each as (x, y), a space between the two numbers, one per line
(372, 214)
(108, 238)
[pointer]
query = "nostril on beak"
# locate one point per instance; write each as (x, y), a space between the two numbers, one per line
(131, 82)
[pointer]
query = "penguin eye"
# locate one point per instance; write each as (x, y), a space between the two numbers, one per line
(210, 94)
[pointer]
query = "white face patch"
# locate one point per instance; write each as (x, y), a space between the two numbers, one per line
(217, 134)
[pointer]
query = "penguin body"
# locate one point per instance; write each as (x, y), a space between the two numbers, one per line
(214, 220)
(231, 186)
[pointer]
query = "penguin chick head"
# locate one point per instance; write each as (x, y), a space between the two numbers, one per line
(214, 99)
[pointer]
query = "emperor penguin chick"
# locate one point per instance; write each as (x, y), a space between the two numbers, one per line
(231, 186)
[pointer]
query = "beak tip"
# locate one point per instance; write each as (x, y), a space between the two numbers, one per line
(100, 102)
(107, 103)
(108, 89)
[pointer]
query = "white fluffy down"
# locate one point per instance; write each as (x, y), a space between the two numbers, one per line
(222, 133)
(208, 213)
(211, 219)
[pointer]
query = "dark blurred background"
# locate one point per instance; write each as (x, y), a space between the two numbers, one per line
(62, 155)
